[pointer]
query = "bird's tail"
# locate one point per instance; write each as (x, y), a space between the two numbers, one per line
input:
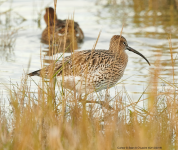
(35, 73)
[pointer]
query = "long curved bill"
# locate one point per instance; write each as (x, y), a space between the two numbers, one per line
(136, 52)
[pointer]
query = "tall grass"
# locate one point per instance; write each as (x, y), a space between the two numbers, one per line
(52, 119)
(55, 119)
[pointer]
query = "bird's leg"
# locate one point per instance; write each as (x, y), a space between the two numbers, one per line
(82, 99)
(105, 103)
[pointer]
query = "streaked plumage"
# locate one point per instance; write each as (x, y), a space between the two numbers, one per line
(92, 70)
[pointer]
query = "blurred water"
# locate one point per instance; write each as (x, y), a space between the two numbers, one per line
(147, 28)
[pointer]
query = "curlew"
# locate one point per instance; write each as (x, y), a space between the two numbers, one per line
(92, 70)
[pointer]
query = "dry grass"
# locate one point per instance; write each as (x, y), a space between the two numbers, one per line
(47, 121)
(53, 119)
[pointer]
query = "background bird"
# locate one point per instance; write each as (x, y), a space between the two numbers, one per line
(55, 28)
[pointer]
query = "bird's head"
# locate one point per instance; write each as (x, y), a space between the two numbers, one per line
(119, 44)
(50, 16)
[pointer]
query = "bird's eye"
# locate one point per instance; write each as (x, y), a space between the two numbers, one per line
(124, 43)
